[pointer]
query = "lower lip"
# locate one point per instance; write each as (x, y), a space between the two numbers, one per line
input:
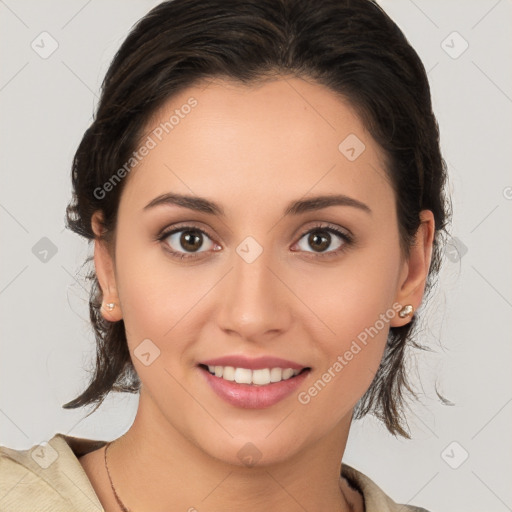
(249, 396)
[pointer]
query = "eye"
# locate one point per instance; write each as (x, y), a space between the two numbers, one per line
(186, 242)
(321, 238)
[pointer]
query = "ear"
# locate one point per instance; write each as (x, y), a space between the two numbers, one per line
(414, 274)
(104, 264)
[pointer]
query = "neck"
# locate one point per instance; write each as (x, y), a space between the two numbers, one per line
(154, 467)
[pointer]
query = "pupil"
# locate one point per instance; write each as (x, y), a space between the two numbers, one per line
(321, 240)
(187, 240)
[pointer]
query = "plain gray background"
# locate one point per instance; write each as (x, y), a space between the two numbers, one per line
(46, 342)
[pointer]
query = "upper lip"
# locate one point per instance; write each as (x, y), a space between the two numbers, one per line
(254, 363)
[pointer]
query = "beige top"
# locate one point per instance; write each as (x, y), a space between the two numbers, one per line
(50, 478)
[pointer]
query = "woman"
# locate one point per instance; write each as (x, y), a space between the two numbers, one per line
(264, 186)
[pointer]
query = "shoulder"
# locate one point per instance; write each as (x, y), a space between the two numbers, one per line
(375, 499)
(47, 477)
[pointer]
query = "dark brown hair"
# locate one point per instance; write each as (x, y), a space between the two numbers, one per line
(350, 46)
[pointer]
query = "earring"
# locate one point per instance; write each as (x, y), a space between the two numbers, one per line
(406, 311)
(109, 306)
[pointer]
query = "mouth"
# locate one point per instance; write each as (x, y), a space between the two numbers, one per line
(256, 388)
(258, 377)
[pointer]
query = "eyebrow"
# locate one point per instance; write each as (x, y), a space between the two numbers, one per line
(200, 204)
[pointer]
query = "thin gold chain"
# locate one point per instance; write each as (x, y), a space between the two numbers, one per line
(118, 499)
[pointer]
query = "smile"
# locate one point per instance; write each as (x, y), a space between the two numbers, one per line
(253, 389)
(260, 377)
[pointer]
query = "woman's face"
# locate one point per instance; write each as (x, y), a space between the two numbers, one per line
(263, 273)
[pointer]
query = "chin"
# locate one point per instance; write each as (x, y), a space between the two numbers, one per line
(252, 451)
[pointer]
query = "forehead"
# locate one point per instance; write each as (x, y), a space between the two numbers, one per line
(245, 144)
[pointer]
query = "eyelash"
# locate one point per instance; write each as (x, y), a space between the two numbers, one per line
(345, 237)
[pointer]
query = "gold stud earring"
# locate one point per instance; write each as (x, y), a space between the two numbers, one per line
(109, 306)
(406, 311)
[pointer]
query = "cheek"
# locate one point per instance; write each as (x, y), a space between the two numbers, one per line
(163, 303)
(351, 296)
(355, 305)
(350, 360)
(152, 298)
(155, 314)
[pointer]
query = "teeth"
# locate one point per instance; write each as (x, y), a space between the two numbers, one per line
(260, 377)
(287, 373)
(276, 374)
(243, 376)
(228, 373)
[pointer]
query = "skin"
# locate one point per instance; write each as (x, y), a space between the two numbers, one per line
(251, 149)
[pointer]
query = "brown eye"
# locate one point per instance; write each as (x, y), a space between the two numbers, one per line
(320, 239)
(324, 241)
(183, 242)
(191, 240)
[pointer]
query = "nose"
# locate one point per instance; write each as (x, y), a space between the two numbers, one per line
(255, 303)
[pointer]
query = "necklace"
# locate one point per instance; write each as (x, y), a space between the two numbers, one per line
(118, 499)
